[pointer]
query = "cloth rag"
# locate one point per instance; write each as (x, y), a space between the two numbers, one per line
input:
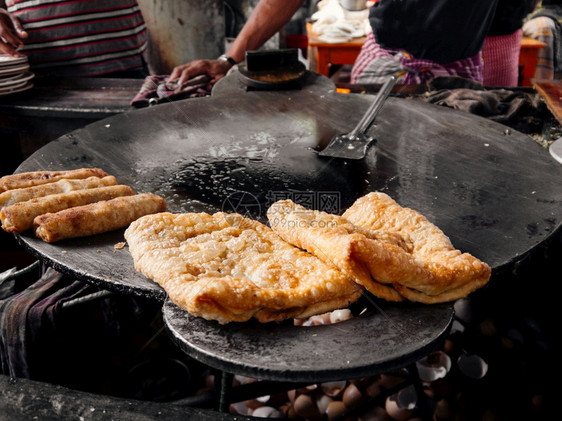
(157, 89)
(520, 110)
(29, 313)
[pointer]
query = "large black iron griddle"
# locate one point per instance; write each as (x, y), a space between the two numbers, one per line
(385, 338)
(494, 192)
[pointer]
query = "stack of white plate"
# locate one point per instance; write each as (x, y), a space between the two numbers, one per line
(14, 75)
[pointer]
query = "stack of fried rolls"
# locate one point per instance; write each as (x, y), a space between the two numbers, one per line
(73, 203)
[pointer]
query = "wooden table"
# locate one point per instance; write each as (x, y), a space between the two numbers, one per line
(551, 91)
(528, 59)
(322, 55)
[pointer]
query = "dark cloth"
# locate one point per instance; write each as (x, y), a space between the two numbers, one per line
(520, 110)
(30, 313)
(509, 16)
(443, 31)
(89, 344)
(157, 89)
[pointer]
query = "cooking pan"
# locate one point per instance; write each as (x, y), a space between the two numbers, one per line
(494, 192)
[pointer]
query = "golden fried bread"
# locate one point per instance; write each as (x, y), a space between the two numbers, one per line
(394, 252)
(335, 241)
(228, 268)
(433, 270)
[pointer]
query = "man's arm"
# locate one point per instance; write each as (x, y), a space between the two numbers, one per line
(11, 32)
(267, 18)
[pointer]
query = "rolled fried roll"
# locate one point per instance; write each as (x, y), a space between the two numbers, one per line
(62, 186)
(96, 218)
(19, 216)
(35, 178)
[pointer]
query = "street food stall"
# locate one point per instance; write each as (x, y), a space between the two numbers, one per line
(459, 185)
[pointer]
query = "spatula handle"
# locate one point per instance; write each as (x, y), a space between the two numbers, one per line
(374, 108)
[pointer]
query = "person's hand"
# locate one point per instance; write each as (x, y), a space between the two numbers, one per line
(11, 34)
(215, 69)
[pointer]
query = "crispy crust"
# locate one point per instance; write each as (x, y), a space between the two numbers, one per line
(27, 193)
(35, 178)
(394, 252)
(335, 241)
(19, 216)
(433, 270)
(228, 268)
(96, 218)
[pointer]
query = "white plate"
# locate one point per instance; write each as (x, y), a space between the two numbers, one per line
(12, 70)
(6, 60)
(555, 149)
(12, 87)
(27, 86)
(16, 79)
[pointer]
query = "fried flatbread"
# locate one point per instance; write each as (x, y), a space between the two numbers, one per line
(19, 216)
(96, 218)
(433, 270)
(225, 267)
(394, 252)
(10, 197)
(35, 178)
(335, 241)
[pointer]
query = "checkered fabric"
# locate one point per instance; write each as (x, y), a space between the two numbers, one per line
(374, 63)
(542, 28)
(501, 59)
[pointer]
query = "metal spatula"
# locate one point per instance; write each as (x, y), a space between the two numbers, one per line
(353, 145)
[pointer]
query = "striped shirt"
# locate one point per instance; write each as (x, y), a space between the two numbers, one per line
(82, 37)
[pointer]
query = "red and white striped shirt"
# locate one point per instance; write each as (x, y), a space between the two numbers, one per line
(82, 37)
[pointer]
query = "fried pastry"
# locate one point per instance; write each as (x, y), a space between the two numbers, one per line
(19, 216)
(10, 197)
(433, 270)
(227, 268)
(335, 241)
(394, 252)
(35, 178)
(96, 218)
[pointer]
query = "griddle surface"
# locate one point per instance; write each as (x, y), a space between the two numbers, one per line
(493, 191)
(386, 337)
